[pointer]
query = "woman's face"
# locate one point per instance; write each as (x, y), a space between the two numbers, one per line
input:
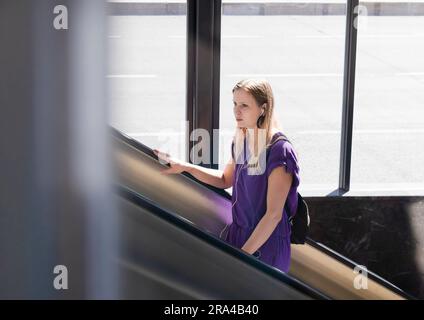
(246, 110)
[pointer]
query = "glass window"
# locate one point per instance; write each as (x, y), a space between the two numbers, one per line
(300, 51)
(388, 134)
(147, 71)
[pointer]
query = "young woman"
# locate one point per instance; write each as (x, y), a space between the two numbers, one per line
(263, 172)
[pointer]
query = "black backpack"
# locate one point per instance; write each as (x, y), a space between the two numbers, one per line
(299, 221)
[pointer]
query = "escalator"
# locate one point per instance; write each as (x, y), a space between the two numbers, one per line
(165, 257)
(172, 222)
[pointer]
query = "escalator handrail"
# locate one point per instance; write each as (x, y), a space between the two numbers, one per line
(337, 256)
(211, 239)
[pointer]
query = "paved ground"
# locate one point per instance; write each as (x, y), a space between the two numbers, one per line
(271, 7)
(302, 57)
(267, 1)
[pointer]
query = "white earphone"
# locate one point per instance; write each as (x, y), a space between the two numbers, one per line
(243, 166)
(263, 109)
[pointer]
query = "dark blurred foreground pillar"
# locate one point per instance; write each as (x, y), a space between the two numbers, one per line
(56, 204)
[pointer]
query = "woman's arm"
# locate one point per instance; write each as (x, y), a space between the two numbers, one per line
(279, 183)
(217, 178)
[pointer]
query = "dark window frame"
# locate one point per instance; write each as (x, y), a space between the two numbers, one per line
(203, 72)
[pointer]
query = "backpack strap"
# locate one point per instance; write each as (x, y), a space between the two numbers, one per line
(284, 138)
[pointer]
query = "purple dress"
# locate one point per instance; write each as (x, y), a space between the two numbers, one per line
(251, 193)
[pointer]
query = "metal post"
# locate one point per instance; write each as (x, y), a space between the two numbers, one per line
(203, 70)
(348, 96)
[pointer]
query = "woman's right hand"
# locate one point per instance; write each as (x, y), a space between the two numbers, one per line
(176, 166)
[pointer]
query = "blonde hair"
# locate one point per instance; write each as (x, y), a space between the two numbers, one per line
(261, 91)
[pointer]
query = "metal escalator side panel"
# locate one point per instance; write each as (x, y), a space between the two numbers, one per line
(161, 261)
(332, 277)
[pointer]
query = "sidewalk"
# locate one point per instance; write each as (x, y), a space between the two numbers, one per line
(270, 7)
(267, 1)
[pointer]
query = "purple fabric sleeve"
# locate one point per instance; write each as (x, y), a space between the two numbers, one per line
(283, 154)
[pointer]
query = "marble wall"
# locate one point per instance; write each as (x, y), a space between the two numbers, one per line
(386, 234)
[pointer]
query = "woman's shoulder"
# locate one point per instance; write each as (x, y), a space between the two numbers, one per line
(280, 139)
(275, 132)
(283, 152)
(281, 147)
